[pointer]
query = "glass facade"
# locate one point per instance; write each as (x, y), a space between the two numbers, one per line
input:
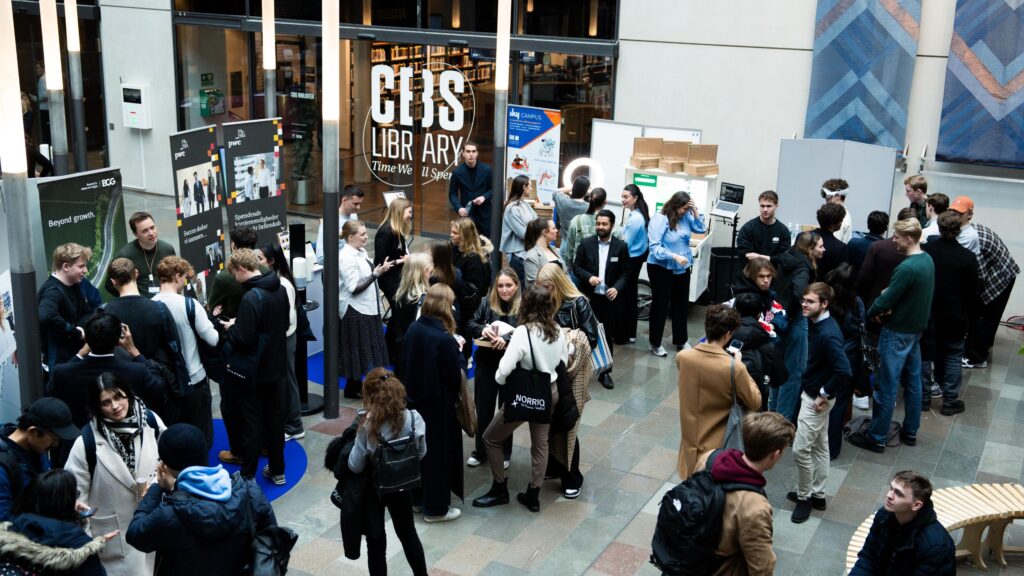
(439, 96)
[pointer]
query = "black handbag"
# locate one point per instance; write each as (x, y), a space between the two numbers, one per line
(271, 547)
(397, 462)
(529, 393)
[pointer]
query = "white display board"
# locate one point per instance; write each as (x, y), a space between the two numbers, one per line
(805, 164)
(690, 135)
(611, 144)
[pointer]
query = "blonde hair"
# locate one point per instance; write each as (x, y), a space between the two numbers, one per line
(564, 289)
(494, 300)
(350, 228)
(469, 238)
(394, 217)
(916, 182)
(69, 254)
(438, 304)
(908, 228)
(243, 259)
(414, 281)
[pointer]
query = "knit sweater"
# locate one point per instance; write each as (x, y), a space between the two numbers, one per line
(908, 296)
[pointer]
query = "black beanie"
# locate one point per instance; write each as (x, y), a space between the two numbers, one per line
(181, 446)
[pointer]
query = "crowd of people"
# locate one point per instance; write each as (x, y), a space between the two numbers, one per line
(818, 323)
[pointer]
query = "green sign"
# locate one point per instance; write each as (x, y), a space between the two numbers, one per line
(206, 79)
(650, 180)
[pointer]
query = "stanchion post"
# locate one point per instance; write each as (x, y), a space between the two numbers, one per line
(54, 86)
(75, 77)
(501, 73)
(332, 177)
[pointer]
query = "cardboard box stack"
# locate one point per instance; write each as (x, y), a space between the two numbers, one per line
(674, 155)
(702, 160)
(646, 153)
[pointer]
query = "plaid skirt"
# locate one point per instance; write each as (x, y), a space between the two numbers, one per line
(362, 344)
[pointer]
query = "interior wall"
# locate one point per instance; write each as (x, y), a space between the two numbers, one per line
(138, 47)
(741, 72)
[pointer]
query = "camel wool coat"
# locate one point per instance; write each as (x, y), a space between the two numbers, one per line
(705, 397)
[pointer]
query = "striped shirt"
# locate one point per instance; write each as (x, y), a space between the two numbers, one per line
(998, 268)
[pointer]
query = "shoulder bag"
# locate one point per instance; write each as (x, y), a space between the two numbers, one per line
(465, 409)
(529, 393)
(271, 546)
(734, 426)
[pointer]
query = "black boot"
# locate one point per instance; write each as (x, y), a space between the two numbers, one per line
(530, 498)
(497, 495)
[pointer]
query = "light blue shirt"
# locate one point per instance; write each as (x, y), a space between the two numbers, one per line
(666, 243)
(634, 232)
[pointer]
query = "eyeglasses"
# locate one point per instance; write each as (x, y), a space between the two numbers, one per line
(808, 301)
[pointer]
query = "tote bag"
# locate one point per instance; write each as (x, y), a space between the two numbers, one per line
(529, 393)
(734, 426)
(601, 355)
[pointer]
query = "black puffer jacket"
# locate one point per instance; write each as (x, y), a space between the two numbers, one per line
(795, 274)
(37, 544)
(921, 548)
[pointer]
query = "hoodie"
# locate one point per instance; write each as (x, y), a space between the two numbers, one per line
(30, 465)
(263, 315)
(204, 526)
(746, 543)
(50, 546)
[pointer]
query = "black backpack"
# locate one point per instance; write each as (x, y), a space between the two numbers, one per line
(397, 462)
(690, 523)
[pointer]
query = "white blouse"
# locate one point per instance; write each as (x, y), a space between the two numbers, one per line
(353, 266)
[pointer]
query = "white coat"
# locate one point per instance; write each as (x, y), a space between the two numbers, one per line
(111, 490)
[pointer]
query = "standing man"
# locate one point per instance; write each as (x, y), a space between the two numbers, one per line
(827, 374)
(830, 219)
(254, 409)
(935, 204)
(211, 189)
(765, 236)
(857, 248)
(225, 292)
(956, 295)
(348, 209)
(602, 266)
(906, 537)
(998, 274)
(42, 99)
(916, 188)
(834, 191)
(470, 188)
(146, 251)
(62, 305)
(266, 179)
(41, 428)
(969, 237)
(198, 194)
(904, 307)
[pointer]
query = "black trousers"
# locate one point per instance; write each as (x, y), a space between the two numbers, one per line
(607, 312)
(197, 409)
(399, 505)
(626, 327)
(486, 395)
(571, 477)
(984, 322)
(667, 288)
(258, 421)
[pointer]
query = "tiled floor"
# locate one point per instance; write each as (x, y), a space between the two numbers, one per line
(629, 439)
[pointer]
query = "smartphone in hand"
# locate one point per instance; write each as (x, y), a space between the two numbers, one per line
(734, 346)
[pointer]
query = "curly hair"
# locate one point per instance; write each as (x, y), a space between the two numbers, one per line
(384, 399)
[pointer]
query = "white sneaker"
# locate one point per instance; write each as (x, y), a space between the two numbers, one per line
(298, 436)
(277, 479)
(452, 514)
(572, 493)
(632, 340)
(506, 464)
(659, 351)
(861, 402)
(473, 462)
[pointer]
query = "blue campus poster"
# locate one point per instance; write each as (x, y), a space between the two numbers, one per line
(533, 142)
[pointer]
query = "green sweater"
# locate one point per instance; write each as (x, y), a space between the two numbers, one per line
(145, 263)
(909, 295)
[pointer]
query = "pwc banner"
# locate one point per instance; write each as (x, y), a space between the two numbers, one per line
(198, 197)
(252, 166)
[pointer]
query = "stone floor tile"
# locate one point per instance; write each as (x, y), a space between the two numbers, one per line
(659, 463)
(958, 467)
(470, 556)
(640, 531)
(620, 559)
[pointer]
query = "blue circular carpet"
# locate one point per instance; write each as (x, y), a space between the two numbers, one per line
(294, 462)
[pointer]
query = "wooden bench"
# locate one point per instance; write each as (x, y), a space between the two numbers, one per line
(972, 508)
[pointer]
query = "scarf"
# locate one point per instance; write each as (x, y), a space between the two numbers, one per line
(121, 434)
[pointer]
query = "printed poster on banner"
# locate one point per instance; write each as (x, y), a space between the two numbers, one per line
(252, 171)
(534, 140)
(87, 209)
(198, 197)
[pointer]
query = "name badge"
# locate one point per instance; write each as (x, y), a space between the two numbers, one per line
(614, 259)
(775, 240)
(154, 289)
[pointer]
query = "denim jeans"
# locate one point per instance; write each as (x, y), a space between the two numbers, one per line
(900, 366)
(948, 371)
(786, 398)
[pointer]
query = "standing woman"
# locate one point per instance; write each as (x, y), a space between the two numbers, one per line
(564, 447)
(433, 365)
(122, 450)
(386, 416)
(536, 344)
(797, 267)
(571, 203)
(583, 225)
(668, 266)
(540, 234)
(272, 256)
(471, 262)
(518, 213)
(415, 281)
(392, 243)
(445, 272)
(494, 322)
(848, 310)
(572, 309)
(362, 340)
(634, 232)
